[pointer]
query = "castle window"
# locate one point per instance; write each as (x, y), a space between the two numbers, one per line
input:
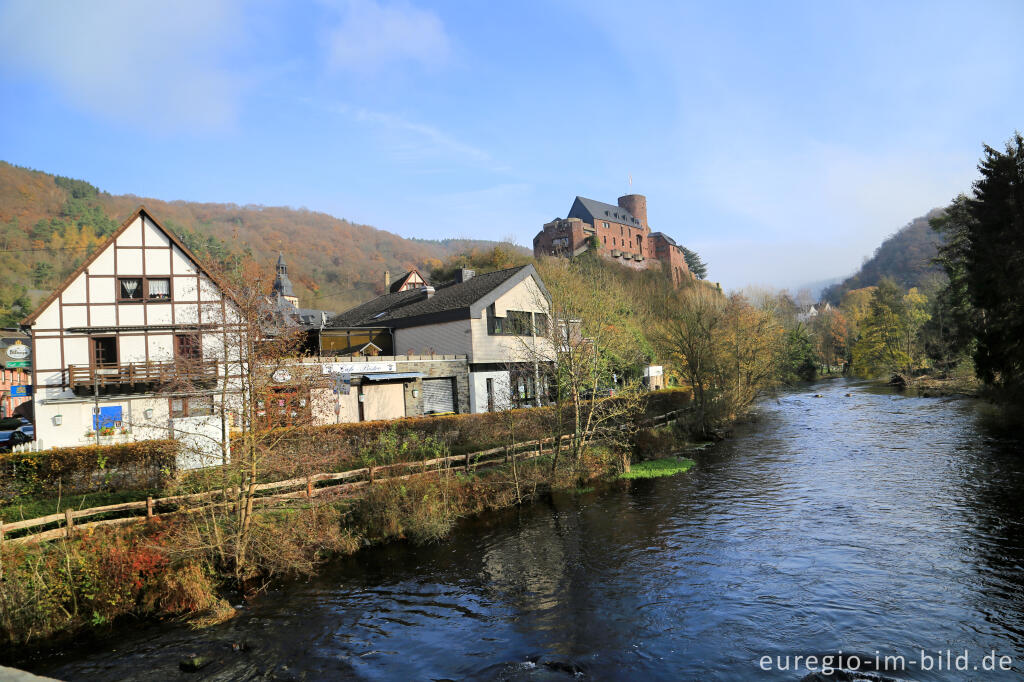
(604, 224)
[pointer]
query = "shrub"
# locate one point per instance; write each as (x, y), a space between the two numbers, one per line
(92, 468)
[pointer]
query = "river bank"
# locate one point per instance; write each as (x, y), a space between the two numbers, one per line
(874, 521)
(58, 591)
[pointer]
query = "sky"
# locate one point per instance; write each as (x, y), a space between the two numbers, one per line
(782, 141)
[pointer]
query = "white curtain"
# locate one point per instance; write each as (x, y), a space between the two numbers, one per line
(159, 288)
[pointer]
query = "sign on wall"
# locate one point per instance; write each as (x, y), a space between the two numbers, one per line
(18, 351)
(21, 391)
(358, 367)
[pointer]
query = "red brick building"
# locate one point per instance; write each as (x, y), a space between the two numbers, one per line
(619, 232)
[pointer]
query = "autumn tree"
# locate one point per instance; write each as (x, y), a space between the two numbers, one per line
(888, 341)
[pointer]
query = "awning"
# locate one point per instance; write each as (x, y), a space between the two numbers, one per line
(393, 375)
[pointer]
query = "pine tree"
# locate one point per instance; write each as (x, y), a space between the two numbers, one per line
(994, 264)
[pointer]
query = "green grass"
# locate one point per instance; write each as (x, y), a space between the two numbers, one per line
(43, 506)
(656, 468)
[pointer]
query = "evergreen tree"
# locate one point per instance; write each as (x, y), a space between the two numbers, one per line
(994, 265)
(698, 267)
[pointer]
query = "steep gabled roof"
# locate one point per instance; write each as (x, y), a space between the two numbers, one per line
(139, 213)
(450, 301)
(590, 210)
(401, 281)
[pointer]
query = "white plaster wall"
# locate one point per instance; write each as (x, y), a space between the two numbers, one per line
(46, 352)
(76, 351)
(132, 236)
(75, 293)
(478, 390)
(104, 263)
(161, 348)
(131, 314)
(524, 296)
(102, 315)
(74, 316)
(182, 265)
(158, 261)
(154, 237)
(49, 318)
(185, 288)
(159, 313)
(102, 289)
(132, 348)
(129, 262)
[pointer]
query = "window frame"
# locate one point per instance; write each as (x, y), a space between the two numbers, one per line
(144, 294)
(192, 406)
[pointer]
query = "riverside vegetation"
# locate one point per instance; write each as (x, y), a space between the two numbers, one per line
(724, 350)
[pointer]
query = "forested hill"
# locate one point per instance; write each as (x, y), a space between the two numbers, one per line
(49, 224)
(906, 257)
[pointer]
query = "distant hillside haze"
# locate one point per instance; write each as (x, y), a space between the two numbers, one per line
(48, 225)
(905, 257)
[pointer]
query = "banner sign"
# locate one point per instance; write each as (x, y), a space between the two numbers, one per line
(359, 367)
(21, 391)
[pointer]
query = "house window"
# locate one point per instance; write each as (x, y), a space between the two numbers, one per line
(158, 289)
(540, 323)
(196, 406)
(604, 224)
(129, 289)
(187, 347)
(143, 288)
(515, 323)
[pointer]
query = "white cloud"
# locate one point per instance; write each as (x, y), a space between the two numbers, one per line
(372, 35)
(156, 65)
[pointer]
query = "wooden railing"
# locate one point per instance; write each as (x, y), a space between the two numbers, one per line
(129, 376)
(307, 487)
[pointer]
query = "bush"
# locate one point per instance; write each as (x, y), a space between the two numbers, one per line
(92, 468)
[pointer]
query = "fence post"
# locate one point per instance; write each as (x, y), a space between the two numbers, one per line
(149, 506)
(467, 462)
(69, 522)
(309, 487)
(1, 533)
(371, 473)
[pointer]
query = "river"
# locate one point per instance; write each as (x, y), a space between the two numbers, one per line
(862, 520)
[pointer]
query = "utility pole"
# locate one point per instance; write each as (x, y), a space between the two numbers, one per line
(96, 403)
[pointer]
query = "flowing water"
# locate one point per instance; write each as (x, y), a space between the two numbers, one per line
(863, 521)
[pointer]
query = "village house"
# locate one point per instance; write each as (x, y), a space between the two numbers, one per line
(497, 321)
(133, 345)
(617, 232)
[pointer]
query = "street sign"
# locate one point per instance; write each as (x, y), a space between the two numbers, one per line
(17, 363)
(21, 391)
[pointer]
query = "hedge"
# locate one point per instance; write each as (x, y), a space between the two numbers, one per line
(335, 447)
(91, 468)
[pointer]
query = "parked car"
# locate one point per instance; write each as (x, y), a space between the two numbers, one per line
(9, 439)
(29, 430)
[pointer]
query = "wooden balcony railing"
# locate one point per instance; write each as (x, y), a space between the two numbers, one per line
(133, 377)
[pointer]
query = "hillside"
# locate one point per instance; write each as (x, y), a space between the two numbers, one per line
(49, 224)
(906, 257)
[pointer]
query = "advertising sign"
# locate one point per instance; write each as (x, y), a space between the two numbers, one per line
(358, 367)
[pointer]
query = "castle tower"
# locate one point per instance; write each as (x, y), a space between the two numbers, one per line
(283, 285)
(637, 205)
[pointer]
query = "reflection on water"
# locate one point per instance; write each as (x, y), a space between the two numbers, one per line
(863, 522)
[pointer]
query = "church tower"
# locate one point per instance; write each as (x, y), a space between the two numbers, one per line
(283, 285)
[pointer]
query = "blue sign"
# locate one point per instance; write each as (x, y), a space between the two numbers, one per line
(109, 417)
(21, 391)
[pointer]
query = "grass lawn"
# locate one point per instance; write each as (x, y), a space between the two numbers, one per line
(656, 468)
(35, 507)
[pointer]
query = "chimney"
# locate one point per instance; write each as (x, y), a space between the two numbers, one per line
(429, 290)
(464, 275)
(387, 280)
(637, 205)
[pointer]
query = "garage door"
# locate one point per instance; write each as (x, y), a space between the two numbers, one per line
(438, 395)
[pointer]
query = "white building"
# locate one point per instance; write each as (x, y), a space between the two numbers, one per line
(498, 320)
(134, 345)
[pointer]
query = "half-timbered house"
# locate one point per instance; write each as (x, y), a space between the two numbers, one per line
(134, 345)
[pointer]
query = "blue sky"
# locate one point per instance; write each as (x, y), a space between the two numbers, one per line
(782, 141)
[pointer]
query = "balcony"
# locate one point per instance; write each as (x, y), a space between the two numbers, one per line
(141, 377)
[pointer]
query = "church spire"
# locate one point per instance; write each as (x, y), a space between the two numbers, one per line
(282, 284)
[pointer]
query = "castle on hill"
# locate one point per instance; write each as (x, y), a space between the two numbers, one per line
(618, 232)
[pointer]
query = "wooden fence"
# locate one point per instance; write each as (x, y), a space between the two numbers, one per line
(307, 487)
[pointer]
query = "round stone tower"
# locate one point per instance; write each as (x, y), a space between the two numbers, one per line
(637, 205)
